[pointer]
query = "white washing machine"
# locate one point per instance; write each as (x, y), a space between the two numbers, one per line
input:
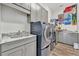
(46, 36)
(44, 33)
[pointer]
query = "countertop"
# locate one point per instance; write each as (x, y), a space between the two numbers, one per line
(69, 31)
(8, 39)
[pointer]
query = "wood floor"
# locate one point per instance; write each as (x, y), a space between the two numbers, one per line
(64, 50)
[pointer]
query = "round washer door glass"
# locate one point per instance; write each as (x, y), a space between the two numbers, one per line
(48, 33)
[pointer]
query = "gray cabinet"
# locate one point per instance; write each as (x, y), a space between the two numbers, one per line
(25, 8)
(25, 50)
(14, 52)
(67, 37)
(24, 5)
(30, 49)
(12, 15)
(38, 13)
(33, 12)
(60, 36)
(23, 47)
(44, 15)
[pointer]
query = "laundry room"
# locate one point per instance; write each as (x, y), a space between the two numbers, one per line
(39, 29)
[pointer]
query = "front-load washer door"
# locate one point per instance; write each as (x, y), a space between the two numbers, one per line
(48, 33)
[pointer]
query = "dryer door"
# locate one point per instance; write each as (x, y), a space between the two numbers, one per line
(48, 33)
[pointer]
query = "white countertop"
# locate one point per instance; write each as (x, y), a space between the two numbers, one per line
(8, 39)
(73, 31)
(69, 31)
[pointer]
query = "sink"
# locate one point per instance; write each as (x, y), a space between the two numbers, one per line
(15, 35)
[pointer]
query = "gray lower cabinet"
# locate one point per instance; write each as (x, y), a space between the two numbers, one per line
(67, 37)
(25, 50)
(30, 49)
(59, 36)
(14, 52)
(22, 47)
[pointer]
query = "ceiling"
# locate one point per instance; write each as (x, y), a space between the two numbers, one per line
(56, 6)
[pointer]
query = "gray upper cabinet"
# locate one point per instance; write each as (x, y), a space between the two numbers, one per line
(44, 15)
(26, 6)
(23, 7)
(38, 13)
(33, 12)
(12, 15)
(39, 9)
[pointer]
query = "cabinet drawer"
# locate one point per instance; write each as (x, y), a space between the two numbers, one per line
(14, 52)
(10, 45)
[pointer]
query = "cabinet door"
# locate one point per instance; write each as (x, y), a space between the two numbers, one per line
(27, 5)
(60, 37)
(12, 15)
(30, 49)
(33, 12)
(39, 10)
(44, 15)
(68, 38)
(14, 52)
